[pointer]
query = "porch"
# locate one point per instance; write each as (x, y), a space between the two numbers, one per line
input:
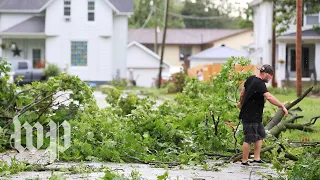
(15, 50)
(286, 59)
(24, 41)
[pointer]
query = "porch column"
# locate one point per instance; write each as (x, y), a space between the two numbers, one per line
(317, 60)
(281, 66)
(0, 47)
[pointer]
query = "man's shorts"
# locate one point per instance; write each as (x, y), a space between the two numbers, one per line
(253, 132)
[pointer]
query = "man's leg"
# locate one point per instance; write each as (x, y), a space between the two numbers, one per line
(245, 152)
(258, 144)
(257, 149)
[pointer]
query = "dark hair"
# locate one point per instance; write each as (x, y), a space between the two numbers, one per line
(267, 69)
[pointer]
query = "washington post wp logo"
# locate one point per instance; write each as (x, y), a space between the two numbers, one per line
(53, 133)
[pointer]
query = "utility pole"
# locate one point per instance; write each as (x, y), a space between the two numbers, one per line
(273, 64)
(163, 43)
(298, 46)
(155, 27)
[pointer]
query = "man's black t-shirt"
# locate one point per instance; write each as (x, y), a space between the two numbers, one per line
(253, 102)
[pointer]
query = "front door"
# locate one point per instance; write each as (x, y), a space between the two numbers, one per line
(36, 58)
(305, 60)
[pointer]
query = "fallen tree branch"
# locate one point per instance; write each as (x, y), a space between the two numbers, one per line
(276, 130)
(25, 108)
(153, 162)
(313, 120)
(15, 96)
(217, 154)
(302, 127)
(279, 114)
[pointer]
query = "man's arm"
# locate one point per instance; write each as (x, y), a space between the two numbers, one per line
(241, 98)
(273, 100)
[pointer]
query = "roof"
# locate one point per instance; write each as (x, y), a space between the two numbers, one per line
(182, 36)
(309, 32)
(147, 51)
(35, 24)
(122, 6)
(22, 4)
(222, 52)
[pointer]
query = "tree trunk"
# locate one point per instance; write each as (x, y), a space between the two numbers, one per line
(276, 130)
(279, 114)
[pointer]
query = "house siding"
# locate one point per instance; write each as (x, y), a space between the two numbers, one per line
(238, 41)
(263, 30)
(96, 33)
(119, 40)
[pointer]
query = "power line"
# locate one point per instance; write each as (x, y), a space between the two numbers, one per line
(197, 17)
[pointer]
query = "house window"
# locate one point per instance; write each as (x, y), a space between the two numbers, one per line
(91, 10)
(311, 19)
(79, 51)
(184, 52)
(67, 8)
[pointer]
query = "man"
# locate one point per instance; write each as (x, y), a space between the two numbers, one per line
(252, 101)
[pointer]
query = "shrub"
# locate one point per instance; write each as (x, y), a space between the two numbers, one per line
(51, 70)
(122, 83)
(178, 80)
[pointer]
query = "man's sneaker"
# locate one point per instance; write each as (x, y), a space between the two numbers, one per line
(245, 163)
(258, 161)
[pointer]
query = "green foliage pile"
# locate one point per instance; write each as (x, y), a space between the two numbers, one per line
(181, 130)
(134, 129)
(37, 102)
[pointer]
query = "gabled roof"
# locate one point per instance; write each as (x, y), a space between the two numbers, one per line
(222, 52)
(36, 6)
(35, 24)
(182, 36)
(156, 56)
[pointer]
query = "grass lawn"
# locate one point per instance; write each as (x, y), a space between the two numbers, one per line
(311, 108)
(154, 92)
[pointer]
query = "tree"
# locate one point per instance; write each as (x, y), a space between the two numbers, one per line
(247, 22)
(145, 8)
(201, 9)
(218, 14)
(286, 11)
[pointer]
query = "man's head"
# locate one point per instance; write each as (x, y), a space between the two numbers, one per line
(266, 72)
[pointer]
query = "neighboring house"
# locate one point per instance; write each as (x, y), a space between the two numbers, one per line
(87, 36)
(182, 43)
(215, 55)
(285, 48)
(143, 65)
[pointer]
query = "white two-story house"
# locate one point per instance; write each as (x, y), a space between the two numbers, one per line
(285, 44)
(88, 37)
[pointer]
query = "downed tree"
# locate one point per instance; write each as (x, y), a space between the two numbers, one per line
(279, 114)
